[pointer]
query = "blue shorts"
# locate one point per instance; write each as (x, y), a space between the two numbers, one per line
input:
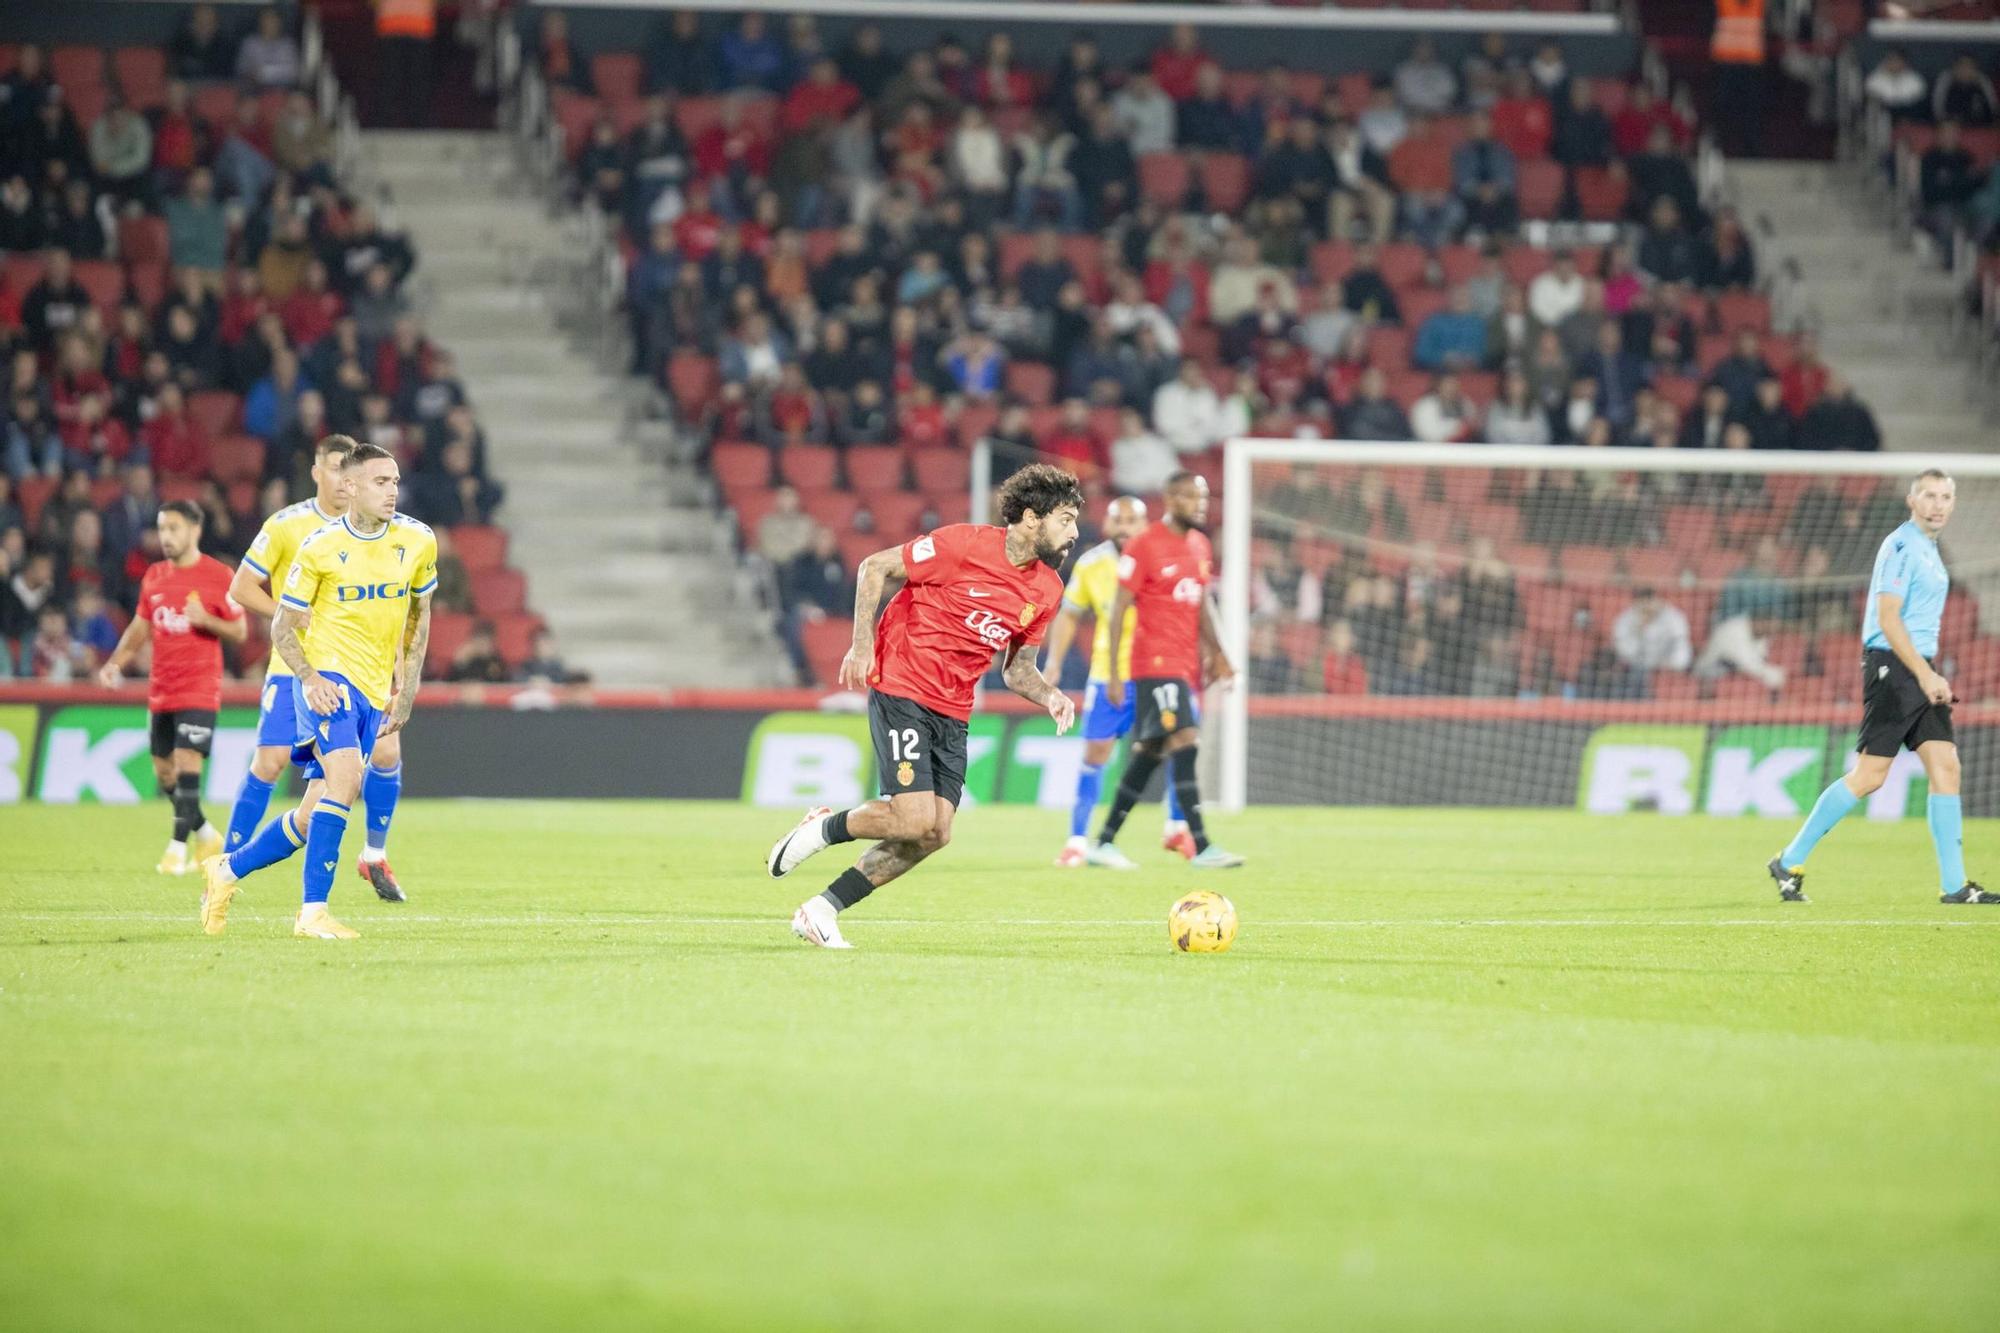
(1103, 721)
(351, 726)
(277, 712)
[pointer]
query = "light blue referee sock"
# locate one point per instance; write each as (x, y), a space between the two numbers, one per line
(1831, 807)
(380, 789)
(329, 826)
(1089, 786)
(1949, 837)
(276, 843)
(253, 798)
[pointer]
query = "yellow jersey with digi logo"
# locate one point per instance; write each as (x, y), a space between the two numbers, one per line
(1093, 587)
(276, 546)
(358, 590)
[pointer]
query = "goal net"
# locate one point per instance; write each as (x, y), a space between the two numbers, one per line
(1601, 629)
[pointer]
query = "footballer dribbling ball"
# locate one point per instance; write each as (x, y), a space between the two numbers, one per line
(1202, 922)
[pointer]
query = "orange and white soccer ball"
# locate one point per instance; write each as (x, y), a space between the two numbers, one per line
(1202, 922)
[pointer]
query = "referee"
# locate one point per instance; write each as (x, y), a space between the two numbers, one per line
(1904, 701)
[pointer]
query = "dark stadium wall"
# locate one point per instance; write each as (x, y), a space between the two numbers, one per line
(112, 22)
(1379, 46)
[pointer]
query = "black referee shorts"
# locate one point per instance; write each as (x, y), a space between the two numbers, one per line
(1894, 712)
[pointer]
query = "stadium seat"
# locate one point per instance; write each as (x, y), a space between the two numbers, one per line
(1225, 180)
(449, 631)
(832, 510)
(1601, 193)
(105, 282)
(499, 591)
(975, 421)
(148, 283)
(141, 75)
(826, 643)
(1743, 310)
(173, 489)
(214, 103)
(142, 240)
(31, 493)
(809, 466)
(616, 76)
(1538, 189)
(1164, 178)
(214, 412)
(941, 471)
(77, 68)
(875, 468)
(692, 380)
(480, 547)
(1032, 382)
(737, 464)
(897, 514)
(514, 634)
(236, 458)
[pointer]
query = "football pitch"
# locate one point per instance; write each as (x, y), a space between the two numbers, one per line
(1462, 1069)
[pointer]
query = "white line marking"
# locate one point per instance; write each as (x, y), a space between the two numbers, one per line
(763, 922)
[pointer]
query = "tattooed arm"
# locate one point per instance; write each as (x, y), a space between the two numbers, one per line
(322, 695)
(872, 582)
(410, 671)
(1025, 680)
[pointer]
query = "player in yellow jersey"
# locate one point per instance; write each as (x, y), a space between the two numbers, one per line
(1093, 586)
(258, 579)
(364, 582)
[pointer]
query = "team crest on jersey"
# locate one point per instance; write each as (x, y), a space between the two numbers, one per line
(905, 774)
(1027, 613)
(1167, 719)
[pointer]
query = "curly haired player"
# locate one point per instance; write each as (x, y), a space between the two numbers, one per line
(968, 592)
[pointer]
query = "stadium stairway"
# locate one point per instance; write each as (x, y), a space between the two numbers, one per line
(1882, 313)
(627, 566)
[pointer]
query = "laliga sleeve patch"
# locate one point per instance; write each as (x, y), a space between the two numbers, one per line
(923, 548)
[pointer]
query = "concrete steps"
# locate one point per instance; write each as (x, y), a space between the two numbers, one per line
(630, 575)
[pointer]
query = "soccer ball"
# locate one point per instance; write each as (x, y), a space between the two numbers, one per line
(1202, 922)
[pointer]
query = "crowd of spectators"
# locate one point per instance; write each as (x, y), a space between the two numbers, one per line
(188, 303)
(1953, 122)
(1629, 588)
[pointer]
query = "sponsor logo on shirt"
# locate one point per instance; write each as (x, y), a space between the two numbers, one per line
(988, 626)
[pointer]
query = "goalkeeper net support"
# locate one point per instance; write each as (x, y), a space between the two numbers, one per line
(1609, 630)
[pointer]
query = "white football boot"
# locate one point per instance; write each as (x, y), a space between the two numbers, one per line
(791, 851)
(1106, 856)
(817, 923)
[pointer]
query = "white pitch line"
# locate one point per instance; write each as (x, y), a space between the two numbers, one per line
(765, 923)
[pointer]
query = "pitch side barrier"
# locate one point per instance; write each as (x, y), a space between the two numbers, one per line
(1324, 40)
(785, 748)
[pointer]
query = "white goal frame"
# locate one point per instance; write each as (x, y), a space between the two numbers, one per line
(1240, 457)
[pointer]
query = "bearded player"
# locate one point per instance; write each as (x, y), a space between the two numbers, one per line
(263, 572)
(1093, 586)
(365, 584)
(186, 612)
(1164, 576)
(967, 592)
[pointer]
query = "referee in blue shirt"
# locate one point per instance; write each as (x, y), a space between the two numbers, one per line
(1904, 701)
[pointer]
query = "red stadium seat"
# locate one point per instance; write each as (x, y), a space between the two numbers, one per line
(215, 412)
(216, 104)
(31, 493)
(1402, 263)
(1421, 162)
(499, 591)
(832, 510)
(897, 514)
(104, 281)
(1539, 188)
(141, 74)
(449, 631)
(875, 468)
(480, 547)
(826, 643)
(616, 76)
(1164, 178)
(738, 464)
(941, 471)
(143, 240)
(858, 546)
(809, 466)
(975, 422)
(692, 380)
(148, 282)
(1225, 180)
(171, 489)
(77, 68)
(1032, 382)
(236, 458)
(514, 634)
(1601, 192)
(1743, 310)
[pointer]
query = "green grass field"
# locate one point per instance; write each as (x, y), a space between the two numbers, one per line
(1461, 1070)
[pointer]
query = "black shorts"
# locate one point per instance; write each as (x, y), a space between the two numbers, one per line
(1166, 705)
(183, 729)
(1894, 712)
(917, 749)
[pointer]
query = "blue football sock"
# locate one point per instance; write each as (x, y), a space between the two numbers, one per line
(329, 826)
(1089, 786)
(1949, 838)
(1174, 815)
(253, 798)
(278, 841)
(1831, 807)
(379, 789)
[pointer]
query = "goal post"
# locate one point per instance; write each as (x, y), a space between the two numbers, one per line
(1597, 628)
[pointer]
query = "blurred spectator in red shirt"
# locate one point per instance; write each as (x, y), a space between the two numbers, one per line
(1343, 671)
(822, 97)
(1805, 379)
(999, 81)
(1178, 64)
(179, 450)
(1075, 442)
(1522, 120)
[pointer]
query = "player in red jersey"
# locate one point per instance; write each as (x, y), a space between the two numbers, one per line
(1164, 575)
(968, 591)
(185, 609)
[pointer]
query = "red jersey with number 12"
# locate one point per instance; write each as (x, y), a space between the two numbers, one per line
(187, 662)
(965, 600)
(1168, 574)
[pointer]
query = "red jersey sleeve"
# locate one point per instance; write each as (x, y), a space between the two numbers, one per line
(935, 556)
